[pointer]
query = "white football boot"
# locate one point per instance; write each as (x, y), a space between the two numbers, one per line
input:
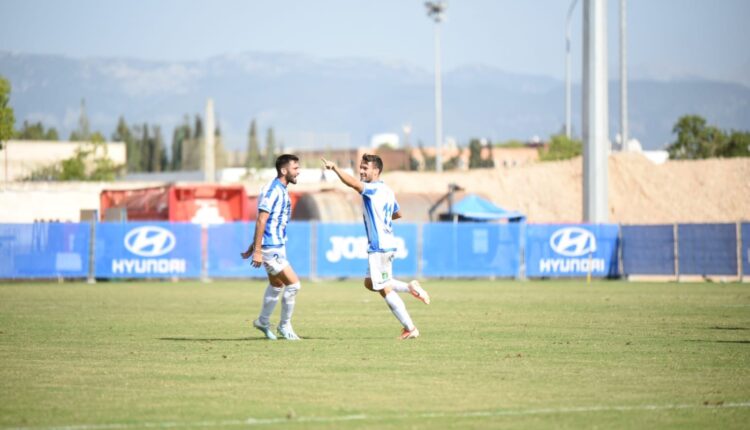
(417, 291)
(265, 330)
(287, 332)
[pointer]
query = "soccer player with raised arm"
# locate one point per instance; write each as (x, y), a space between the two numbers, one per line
(269, 248)
(380, 209)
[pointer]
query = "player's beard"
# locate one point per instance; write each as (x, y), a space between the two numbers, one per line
(291, 179)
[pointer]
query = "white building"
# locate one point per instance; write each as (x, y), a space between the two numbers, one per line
(19, 158)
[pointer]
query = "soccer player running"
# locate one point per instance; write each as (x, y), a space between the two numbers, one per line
(380, 209)
(269, 248)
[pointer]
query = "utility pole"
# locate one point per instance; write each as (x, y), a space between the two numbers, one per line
(567, 69)
(436, 11)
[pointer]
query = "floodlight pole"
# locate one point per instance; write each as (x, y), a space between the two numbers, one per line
(595, 112)
(623, 78)
(567, 69)
(436, 11)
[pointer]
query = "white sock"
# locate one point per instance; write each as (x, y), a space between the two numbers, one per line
(270, 298)
(287, 303)
(399, 309)
(399, 286)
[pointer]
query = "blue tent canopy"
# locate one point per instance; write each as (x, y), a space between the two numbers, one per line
(475, 208)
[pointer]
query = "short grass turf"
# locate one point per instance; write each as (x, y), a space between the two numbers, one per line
(534, 354)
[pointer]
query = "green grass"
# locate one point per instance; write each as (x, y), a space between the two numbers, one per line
(492, 354)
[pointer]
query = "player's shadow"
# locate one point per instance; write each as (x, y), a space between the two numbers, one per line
(226, 339)
(728, 328)
(746, 342)
(211, 339)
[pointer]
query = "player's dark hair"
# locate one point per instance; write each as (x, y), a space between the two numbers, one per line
(283, 161)
(372, 158)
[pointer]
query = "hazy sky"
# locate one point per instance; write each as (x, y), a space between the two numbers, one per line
(667, 38)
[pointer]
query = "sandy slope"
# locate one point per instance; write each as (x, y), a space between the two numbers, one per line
(716, 190)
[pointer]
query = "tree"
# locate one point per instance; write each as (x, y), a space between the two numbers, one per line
(90, 162)
(83, 132)
(512, 143)
(104, 168)
(181, 134)
(143, 147)
(738, 145)
(159, 161)
(561, 147)
(270, 148)
(123, 133)
(475, 155)
(153, 158)
(252, 156)
(36, 131)
(695, 139)
(7, 119)
(198, 132)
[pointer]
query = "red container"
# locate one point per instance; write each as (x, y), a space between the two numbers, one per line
(203, 204)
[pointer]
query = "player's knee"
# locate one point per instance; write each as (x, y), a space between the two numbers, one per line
(368, 284)
(291, 290)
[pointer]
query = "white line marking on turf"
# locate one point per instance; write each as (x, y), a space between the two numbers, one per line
(363, 417)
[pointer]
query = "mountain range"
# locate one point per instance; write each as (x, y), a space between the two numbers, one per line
(316, 102)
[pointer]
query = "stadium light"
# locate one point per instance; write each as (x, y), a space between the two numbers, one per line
(623, 78)
(436, 11)
(595, 113)
(567, 68)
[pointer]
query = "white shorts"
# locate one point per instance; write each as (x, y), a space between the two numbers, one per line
(274, 259)
(380, 269)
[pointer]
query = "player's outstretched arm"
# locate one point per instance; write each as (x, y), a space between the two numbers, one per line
(346, 178)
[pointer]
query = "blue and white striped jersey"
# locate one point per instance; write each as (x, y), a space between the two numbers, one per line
(274, 199)
(379, 206)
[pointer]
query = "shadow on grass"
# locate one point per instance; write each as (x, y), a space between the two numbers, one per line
(228, 339)
(206, 339)
(728, 328)
(747, 342)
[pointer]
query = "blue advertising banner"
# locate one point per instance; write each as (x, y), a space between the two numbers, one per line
(707, 249)
(648, 249)
(342, 250)
(571, 250)
(44, 250)
(471, 249)
(745, 235)
(147, 250)
(227, 241)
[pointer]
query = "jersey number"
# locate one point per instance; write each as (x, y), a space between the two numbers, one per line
(387, 215)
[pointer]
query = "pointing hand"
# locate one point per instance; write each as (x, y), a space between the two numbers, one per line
(328, 164)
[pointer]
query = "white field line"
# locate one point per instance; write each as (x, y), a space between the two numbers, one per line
(363, 417)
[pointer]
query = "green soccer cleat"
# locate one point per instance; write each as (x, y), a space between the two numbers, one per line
(265, 330)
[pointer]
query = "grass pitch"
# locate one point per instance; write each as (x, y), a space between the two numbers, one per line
(492, 354)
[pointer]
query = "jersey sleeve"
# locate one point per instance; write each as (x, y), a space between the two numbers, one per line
(267, 200)
(396, 206)
(370, 189)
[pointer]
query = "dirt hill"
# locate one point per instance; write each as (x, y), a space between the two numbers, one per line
(716, 190)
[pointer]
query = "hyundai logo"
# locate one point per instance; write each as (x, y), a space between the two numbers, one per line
(150, 241)
(573, 242)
